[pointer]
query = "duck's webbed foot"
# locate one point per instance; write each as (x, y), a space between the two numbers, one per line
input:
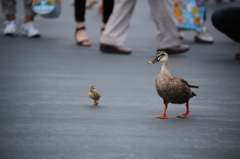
(94, 104)
(185, 115)
(187, 112)
(163, 116)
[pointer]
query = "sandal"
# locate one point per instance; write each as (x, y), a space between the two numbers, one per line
(81, 43)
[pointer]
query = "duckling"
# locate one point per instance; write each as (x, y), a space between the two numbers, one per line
(95, 95)
(172, 89)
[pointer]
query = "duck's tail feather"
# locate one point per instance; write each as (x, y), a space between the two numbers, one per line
(194, 94)
(192, 86)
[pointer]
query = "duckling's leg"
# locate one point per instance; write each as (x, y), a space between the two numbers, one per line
(94, 104)
(164, 115)
(187, 112)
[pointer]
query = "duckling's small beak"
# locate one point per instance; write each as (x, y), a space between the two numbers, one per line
(153, 61)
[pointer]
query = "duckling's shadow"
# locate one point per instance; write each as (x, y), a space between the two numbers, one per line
(97, 107)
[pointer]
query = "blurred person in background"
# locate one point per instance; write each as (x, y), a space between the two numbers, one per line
(79, 13)
(28, 28)
(227, 20)
(115, 34)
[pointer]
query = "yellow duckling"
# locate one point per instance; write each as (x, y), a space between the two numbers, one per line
(94, 95)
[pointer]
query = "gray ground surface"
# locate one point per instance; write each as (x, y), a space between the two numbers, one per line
(45, 112)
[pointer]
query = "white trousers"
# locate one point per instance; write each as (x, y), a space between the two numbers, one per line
(162, 13)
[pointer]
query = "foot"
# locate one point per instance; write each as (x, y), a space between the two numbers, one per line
(82, 38)
(29, 30)
(10, 29)
(183, 115)
(162, 116)
(176, 50)
(114, 49)
(237, 56)
(204, 36)
(91, 3)
(94, 106)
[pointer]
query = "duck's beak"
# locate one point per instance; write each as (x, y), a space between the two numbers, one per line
(153, 61)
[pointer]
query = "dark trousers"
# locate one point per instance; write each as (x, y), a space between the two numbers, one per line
(80, 6)
(227, 20)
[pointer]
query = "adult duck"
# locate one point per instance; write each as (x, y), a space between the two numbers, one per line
(172, 89)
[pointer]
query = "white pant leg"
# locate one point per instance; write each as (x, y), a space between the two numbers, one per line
(115, 32)
(167, 33)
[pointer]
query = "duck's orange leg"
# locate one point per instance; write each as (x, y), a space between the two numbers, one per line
(186, 114)
(164, 114)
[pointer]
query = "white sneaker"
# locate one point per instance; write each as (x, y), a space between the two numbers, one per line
(29, 30)
(203, 36)
(10, 29)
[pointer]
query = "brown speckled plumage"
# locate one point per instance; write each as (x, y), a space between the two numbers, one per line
(171, 89)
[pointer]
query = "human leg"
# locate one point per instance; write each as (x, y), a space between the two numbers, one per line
(107, 10)
(28, 28)
(79, 14)
(116, 29)
(204, 36)
(90, 3)
(9, 10)
(167, 33)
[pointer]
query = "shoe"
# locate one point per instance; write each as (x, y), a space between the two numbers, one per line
(237, 56)
(176, 50)
(203, 36)
(29, 30)
(81, 43)
(114, 49)
(10, 29)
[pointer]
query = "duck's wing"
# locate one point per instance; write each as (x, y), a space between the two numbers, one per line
(172, 88)
(97, 95)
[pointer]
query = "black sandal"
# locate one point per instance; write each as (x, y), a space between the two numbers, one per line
(82, 41)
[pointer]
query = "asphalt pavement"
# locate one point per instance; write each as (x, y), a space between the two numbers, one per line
(45, 112)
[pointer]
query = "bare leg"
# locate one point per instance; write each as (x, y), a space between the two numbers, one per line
(10, 17)
(29, 18)
(187, 112)
(82, 34)
(164, 115)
